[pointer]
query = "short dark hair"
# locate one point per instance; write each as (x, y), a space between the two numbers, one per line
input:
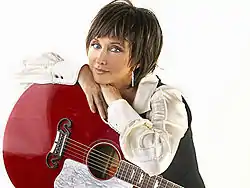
(138, 26)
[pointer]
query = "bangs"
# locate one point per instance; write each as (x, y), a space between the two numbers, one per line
(116, 22)
(117, 27)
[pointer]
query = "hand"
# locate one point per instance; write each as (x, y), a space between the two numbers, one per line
(92, 91)
(110, 93)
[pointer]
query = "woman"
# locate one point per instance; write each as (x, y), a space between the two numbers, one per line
(123, 45)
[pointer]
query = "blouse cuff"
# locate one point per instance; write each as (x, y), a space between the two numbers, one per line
(121, 115)
(65, 73)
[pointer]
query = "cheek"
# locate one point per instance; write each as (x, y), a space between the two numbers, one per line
(118, 69)
(118, 63)
(91, 58)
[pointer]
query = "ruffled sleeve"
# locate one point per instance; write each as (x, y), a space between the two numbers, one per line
(151, 143)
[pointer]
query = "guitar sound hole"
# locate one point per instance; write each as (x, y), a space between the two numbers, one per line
(103, 161)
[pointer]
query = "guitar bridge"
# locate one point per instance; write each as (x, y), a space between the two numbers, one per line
(63, 132)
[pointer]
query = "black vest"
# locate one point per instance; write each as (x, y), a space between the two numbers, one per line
(183, 170)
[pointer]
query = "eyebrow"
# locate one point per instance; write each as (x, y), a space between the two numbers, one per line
(119, 43)
(114, 42)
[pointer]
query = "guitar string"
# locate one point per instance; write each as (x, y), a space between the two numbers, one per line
(84, 159)
(97, 151)
(85, 155)
(100, 168)
(92, 164)
(98, 158)
(150, 181)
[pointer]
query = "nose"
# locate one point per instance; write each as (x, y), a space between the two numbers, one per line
(101, 59)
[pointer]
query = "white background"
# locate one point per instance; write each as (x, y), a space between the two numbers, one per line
(206, 54)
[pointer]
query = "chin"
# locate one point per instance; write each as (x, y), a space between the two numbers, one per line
(101, 80)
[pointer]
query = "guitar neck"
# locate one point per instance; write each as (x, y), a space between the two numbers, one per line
(134, 175)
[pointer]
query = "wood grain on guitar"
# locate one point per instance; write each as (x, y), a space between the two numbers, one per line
(51, 123)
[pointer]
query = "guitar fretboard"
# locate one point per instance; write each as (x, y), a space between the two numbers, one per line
(135, 176)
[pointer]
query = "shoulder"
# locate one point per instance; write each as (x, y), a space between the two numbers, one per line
(167, 104)
(168, 93)
(169, 100)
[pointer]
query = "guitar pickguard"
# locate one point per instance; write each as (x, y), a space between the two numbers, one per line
(77, 175)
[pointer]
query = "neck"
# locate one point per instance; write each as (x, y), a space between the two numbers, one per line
(123, 87)
(129, 94)
(135, 176)
(124, 84)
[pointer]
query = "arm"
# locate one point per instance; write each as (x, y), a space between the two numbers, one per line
(50, 68)
(92, 91)
(151, 143)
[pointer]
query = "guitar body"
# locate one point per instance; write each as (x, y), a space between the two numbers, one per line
(32, 128)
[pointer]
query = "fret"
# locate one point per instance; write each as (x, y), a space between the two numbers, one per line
(160, 182)
(176, 185)
(134, 175)
(139, 177)
(132, 169)
(169, 184)
(126, 172)
(119, 172)
(129, 172)
(132, 172)
(122, 171)
(125, 169)
(154, 183)
(146, 179)
(159, 177)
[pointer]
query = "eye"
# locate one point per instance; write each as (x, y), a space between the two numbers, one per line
(115, 49)
(96, 45)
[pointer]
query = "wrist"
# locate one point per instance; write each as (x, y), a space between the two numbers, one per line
(84, 69)
(85, 75)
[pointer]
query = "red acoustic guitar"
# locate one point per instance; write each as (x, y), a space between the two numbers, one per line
(50, 123)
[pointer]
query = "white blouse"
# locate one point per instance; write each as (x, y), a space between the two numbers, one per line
(150, 143)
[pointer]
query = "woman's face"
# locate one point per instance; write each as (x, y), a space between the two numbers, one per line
(109, 61)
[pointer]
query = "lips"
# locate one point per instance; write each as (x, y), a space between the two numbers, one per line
(100, 71)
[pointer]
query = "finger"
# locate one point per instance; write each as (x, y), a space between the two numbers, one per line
(100, 104)
(105, 105)
(101, 109)
(91, 103)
